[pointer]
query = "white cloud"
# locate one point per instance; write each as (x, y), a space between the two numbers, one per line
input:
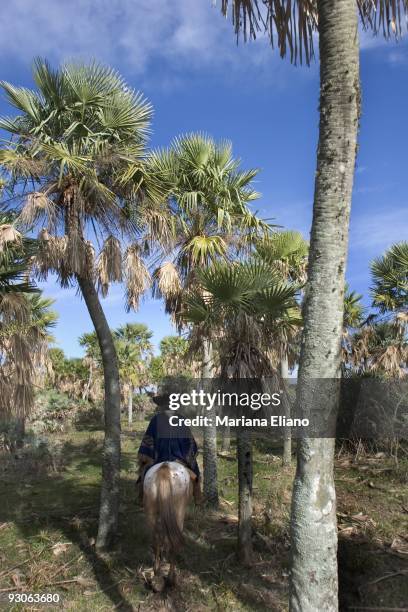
(177, 34)
(398, 57)
(375, 231)
(131, 33)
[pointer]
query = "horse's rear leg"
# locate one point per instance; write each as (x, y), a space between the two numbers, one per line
(157, 556)
(171, 577)
(158, 582)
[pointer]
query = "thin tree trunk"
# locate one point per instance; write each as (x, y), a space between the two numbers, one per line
(85, 394)
(109, 504)
(130, 407)
(244, 456)
(210, 478)
(20, 431)
(226, 439)
(314, 582)
(287, 439)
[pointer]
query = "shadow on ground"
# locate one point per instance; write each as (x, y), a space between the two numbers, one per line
(66, 503)
(63, 504)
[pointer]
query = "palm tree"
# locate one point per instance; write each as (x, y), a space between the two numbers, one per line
(292, 27)
(242, 303)
(25, 322)
(286, 253)
(134, 349)
(174, 354)
(209, 196)
(93, 362)
(75, 163)
(41, 320)
(174, 361)
(390, 281)
(380, 347)
(353, 319)
(74, 376)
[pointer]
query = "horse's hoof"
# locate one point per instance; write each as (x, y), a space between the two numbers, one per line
(158, 583)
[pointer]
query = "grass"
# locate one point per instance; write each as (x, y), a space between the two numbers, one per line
(48, 523)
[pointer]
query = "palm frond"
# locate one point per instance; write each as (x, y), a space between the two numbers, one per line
(291, 25)
(109, 266)
(137, 276)
(390, 279)
(9, 235)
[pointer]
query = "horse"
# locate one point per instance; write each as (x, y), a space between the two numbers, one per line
(167, 490)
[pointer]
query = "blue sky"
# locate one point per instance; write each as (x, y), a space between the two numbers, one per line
(183, 56)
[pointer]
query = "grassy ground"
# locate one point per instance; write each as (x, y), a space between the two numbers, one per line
(48, 521)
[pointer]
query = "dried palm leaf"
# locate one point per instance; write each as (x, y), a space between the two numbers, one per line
(109, 266)
(37, 207)
(137, 276)
(167, 284)
(292, 24)
(9, 235)
(392, 360)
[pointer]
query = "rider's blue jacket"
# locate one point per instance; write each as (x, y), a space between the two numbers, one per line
(165, 442)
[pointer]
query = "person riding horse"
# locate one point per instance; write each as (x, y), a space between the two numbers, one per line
(164, 442)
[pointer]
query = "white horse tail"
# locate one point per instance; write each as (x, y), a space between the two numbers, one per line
(166, 517)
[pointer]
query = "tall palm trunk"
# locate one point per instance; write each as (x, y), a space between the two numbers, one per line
(109, 504)
(130, 406)
(210, 484)
(314, 583)
(19, 431)
(244, 456)
(87, 389)
(287, 439)
(226, 439)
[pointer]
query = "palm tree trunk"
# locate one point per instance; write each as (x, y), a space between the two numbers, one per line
(20, 431)
(130, 407)
(287, 439)
(210, 478)
(226, 439)
(314, 582)
(85, 394)
(244, 456)
(109, 504)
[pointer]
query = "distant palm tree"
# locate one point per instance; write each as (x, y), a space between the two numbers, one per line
(134, 349)
(76, 163)
(241, 304)
(380, 347)
(209, 196)
(73, 376)
(353, 319)
(174, 355)
(292, 26)
(390, 280)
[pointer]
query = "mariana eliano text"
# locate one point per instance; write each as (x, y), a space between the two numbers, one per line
(243, 421)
